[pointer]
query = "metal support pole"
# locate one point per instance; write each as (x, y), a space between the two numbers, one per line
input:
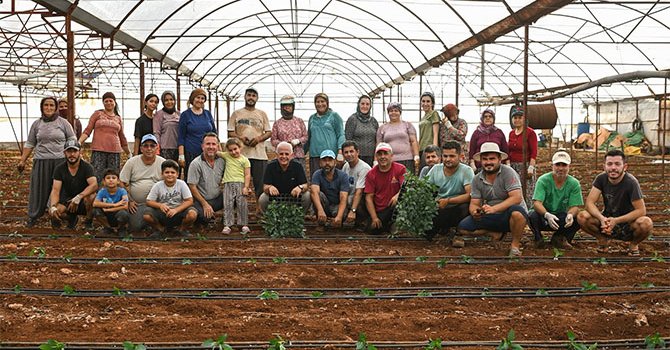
(595, 154)
(572, 123)
(69, 34)
(616, 122)
(524, 136)
(142, 92)
(665, 118)
(216, 105)
(178, 90)
(420, 91)
(21, 114)
(209, 99)
(458, 68)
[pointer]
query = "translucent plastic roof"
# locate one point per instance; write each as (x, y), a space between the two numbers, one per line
(355, 47)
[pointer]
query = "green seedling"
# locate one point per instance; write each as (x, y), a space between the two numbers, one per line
(12, 257)
(647, 285)
(657, 258)
(127, 238)
(317, 294)
(277, 344)
(40, 252)
(17, 289)
(67, 258)
(205, 293)
(186, 261)
(368, 292)
(52, 345)
(104, 261)
(201, 237)
(467, 259)
(127, 345)
(53, 236)
(434, 344)
(421, 258)
(600, 261)
(348, 261)
(279, 260)
(68, 290)
(486, 292)
(251, 261)
(416, 206)
(118, 292)
(541, 292)
(558, 253)
(268, 295)
(654, 341)
(362, 343)
(574, 345)
(442, 263)
(283, 220)
(15, 234)
(424, 293)
(368, 260)
(588, 286)
(219, 343)
(508, 342)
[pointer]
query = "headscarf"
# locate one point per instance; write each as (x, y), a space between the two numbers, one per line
(62, 113)
(174, 108)
(486, 129)
(363, 117)
(450, 110)
(325, 97)
(110, 94)
(394, 105)
(195, 93)
(49, 118)
(286, 100)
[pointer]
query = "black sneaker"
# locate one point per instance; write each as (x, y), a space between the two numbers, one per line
(88, 225)
(156, 234)
(107, 231)
(72, 221)
(55, 224)
(184, 233)
(31, 223)
(122, 232)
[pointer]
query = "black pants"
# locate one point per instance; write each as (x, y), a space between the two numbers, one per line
(448, 217)
(538, 224)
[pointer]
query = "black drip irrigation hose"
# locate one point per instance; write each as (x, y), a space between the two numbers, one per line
(342, 260)
(343, 293)
(633, 343)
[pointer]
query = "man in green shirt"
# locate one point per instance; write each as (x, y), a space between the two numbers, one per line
(556, 202)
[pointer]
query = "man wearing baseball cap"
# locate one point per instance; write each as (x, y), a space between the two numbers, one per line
(382, 189)
(251, 125)
(496, 204)
(290, 129)
(556, 202)
(330, 190)
(73, 190)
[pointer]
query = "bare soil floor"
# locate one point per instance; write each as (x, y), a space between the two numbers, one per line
(326, 287)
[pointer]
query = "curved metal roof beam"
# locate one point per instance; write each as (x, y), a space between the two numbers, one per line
(123, 20)
(422, 22)
(337, 40)
(465, 23)
(277, 44)
(259, 70)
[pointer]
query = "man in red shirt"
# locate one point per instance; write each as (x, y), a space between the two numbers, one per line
(382, 188)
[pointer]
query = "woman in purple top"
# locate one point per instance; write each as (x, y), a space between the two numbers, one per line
(166, 126)
(194, 123)
(486, 132)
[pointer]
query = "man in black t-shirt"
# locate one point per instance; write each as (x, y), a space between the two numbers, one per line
(73, 191)
(284, 180)
(624, 217)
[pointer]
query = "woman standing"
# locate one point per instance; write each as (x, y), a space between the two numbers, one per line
(455, 128)
(145, 123)
(166, 126)
(486, 132)
(401, 136)
(325, 130)
(290, 129)
(46, 138)
(429, 126)
(108, 140)
(194, 123)
(362, 128)
(516, 151)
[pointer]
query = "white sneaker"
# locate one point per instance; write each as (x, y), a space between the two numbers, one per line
(226, 230)
(245, 230)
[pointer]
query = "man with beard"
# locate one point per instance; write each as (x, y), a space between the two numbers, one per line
(62, 111)
(453, 180)
(357, 170)
(138, 175)
(556, 202)
(73, 190)
(204, 178)
(251, 125)
(290, 129)
(284, 180)
(382, 189)
(496, 204)
(330, 190)
(624, 217)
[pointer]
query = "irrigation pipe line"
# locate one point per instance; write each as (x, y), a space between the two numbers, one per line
(633, 343)
(350, 293)
(335, 260)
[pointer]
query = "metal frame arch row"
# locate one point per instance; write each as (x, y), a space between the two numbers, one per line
(337, 40)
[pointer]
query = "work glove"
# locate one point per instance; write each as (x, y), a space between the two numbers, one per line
(552, 220)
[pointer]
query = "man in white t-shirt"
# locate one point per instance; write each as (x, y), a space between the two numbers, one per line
(357, 170)
(138, 175)
(251, 125)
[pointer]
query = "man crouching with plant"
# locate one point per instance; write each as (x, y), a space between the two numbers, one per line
(382, 188)
(496, 204)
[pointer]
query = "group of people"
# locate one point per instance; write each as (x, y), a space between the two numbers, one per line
(356, 171)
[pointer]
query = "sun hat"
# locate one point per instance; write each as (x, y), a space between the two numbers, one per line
(489, 147)
(561, 157)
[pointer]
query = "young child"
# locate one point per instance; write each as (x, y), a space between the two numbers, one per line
(170, 203)
(236, 180)
(111, 205)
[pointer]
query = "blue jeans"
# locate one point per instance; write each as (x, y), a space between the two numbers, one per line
(538, 224)
(492, 222)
